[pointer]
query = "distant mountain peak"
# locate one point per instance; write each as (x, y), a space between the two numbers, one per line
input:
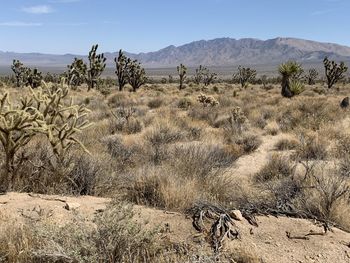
(223, 51)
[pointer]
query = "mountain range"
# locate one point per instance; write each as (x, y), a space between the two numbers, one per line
(220, 52)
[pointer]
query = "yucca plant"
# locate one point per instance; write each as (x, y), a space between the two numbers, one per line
(291, 85)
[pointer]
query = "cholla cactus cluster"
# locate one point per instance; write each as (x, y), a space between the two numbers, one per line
(207, 100)
(237, 120)
(44, 112)
(18, 124)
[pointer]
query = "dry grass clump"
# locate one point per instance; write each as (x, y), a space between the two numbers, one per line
(114, 237)
(248, 143)
(155, 103)
(311, 147)
(308, 113)
(191, 172)
(278, 167)
(286, 144)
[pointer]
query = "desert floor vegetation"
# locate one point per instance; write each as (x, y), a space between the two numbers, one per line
(247, 149)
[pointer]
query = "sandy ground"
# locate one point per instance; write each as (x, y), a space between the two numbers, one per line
(269, 241)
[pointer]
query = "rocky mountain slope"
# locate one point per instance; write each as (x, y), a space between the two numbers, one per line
(219, 52)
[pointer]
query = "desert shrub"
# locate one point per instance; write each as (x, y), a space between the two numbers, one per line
(124, 156)
(119, 100)
(286, 144)
(158, 138)
(199, 160)
(155, 103)
(278, 167)
(328, 189)
(311, 148)
(249, 143)
(116, 238)
(41, 171)
(125, 120)
(308, 114)
(164, 133)
(236, 123)
(184, 103)
(207, 114)
(160, 187)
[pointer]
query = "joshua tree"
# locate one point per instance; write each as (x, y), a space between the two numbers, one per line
(122, 64)
(34, 78)
(97, 64)
(198, 77)
(76, 74)
(20, 72)
(136, 75)
(290, 84)
(334, 72)
(204, 75)
(182, 70)
(245, 76)
(311, 76)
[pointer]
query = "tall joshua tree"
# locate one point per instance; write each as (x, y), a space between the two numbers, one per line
(182, 71)
(136, 75)
(290, 84)
(122, 63)
(97, 64)
(334, 72)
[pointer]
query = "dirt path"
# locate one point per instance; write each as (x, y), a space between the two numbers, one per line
(248, 165)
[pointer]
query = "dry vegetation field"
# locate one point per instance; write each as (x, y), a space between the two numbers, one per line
(161, 153)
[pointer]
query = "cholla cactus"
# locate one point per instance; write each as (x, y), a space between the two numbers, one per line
(237, 121)
(207, 100)
(17, 126)
(97, 64)
(64, 121)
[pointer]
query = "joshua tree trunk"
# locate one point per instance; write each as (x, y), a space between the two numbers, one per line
(285, 88)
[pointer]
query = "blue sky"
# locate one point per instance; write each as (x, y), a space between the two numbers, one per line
(72, 26)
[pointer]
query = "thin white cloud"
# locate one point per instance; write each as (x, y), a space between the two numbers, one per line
(19, 24)
(71, 24)
(63, 1)
(321, 12)
(38, 9)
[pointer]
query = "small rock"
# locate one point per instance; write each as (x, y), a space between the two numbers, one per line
(345, 102)
(236, 215)
(71, 206)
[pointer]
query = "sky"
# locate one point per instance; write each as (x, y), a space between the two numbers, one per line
(73, 26)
